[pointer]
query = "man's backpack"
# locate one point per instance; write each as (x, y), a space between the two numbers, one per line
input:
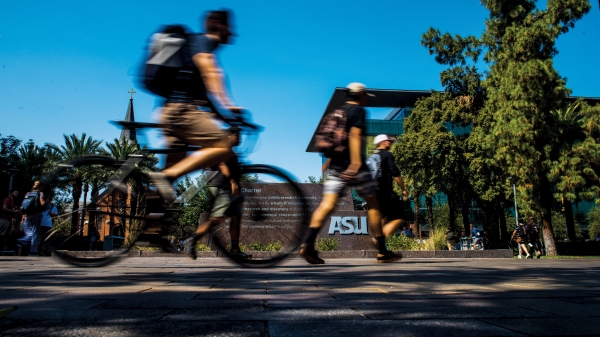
(31, 204)
(331, 137)
(167, 60)
(374, 164)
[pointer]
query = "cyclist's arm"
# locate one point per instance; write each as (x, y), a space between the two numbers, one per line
(213, 78)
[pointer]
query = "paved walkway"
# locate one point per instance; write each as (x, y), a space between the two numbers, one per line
(353, 297)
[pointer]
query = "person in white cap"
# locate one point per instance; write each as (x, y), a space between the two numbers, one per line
(349, 169)
(391, 206)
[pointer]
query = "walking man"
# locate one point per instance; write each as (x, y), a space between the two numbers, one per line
(534, 236)
(9, 212)
(391, 206)
(33, 220)
(48, 215)
(348, 169)
(184, 123)
(225, 187)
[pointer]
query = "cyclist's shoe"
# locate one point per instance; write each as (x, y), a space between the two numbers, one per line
(189, 247)
(310, 254)
(237, 254)
(163, 185)
(389, 256)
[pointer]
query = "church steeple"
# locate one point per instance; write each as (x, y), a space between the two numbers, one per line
(127, 133)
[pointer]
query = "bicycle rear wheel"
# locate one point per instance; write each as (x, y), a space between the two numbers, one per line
(110, 215)
(275, 216)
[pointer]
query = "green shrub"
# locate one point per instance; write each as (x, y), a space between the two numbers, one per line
(594, 222)
(272, 246)
(401, 242)
(327, 244)
(202, 247)
(243, 247)
(559, 227)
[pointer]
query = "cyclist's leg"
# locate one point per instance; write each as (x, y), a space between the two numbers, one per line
(194, 127)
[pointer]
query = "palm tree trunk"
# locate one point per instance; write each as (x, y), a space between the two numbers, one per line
(416, 212)
(429, 205)
(504, 237)
(546, 203)
(77, 189)
(465, 218)
(451, 213)
(570, 220)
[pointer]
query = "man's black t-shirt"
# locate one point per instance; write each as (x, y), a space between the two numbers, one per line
(355, 117)
(521, 232)
(234, 170)
(389, 170)
(191, 87)
(532, 229)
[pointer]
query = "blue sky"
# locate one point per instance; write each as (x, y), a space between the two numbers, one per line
(67, 68)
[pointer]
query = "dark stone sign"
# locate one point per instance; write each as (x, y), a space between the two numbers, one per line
(271, 212)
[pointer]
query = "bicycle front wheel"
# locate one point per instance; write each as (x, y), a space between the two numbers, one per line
(274, 217)
(99, 227)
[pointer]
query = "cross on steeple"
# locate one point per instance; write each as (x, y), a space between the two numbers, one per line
(131, 92)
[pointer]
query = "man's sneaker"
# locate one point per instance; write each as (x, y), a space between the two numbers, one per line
(189, 247)
(237, 254)
(163, 185)
(520, 257)
(528, 257)
(310, 254)
(389, 256)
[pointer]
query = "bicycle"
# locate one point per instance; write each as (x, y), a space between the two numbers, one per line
(144, 217)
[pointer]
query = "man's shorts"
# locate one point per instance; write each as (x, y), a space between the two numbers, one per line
(391, 206)
(184, 123)
(225, 204)
(5, 227)
(476, 240)
(362, 182)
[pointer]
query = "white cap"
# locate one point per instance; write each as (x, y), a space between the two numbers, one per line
(381, 138)
(356, 87)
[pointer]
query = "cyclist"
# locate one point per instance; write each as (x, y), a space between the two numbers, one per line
(225, 187)
(184, 122)
(349, 169)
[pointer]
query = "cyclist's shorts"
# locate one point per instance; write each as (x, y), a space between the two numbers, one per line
(362, 182)
(183, 122)
(225, 204)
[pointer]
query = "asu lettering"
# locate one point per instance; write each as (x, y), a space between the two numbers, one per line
(348, 225)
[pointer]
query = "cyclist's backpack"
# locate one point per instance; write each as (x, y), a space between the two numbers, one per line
(331, 137)
(31, 204)
(166, 60)
(374, 164)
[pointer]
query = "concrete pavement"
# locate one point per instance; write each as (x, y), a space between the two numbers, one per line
(345, 297)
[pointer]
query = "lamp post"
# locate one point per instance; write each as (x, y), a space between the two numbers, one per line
(512, 181)
(11, 173)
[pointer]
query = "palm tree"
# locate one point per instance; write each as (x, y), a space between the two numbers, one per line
(137, 179)
(73, 148)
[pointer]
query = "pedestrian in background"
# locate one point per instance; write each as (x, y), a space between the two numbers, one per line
(521, 236)
(385, 173)
(50, 212)
(534, 237)
(9, 212)
(33, 219)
